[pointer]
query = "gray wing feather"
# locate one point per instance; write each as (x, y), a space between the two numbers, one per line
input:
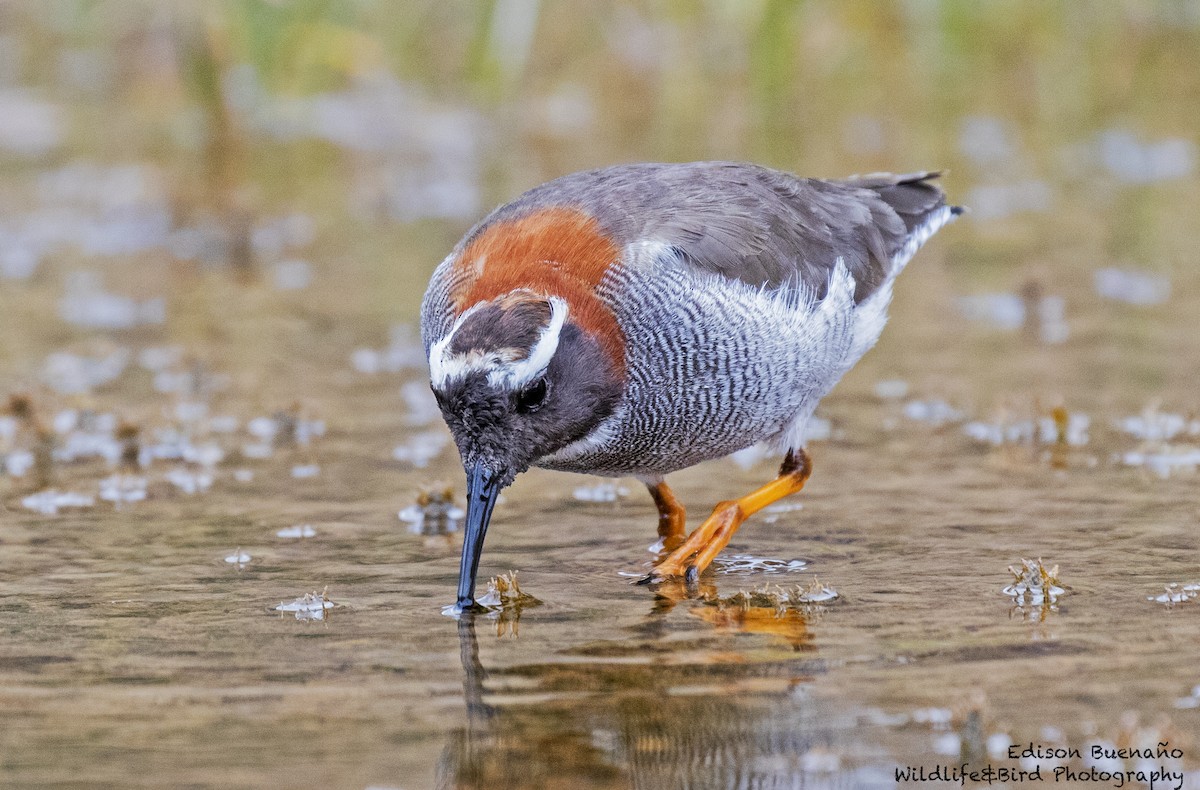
(764, 227)
(437, 315)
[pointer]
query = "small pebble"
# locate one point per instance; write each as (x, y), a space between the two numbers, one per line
(189, 482)
(935, 412)
(49, 502)
(120, 489)
(601, 492)
(1132, 287)
(298, 531)
(18, 462)
(421, 448)
(891, 389)
(293, 275)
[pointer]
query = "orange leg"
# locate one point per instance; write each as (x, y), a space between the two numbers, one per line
(707, 541)
(671, 515)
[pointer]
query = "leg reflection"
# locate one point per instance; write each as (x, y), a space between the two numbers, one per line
(650, 709)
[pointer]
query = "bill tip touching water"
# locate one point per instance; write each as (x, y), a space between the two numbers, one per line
(639, 319)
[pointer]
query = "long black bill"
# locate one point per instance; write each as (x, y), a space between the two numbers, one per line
(482, 489)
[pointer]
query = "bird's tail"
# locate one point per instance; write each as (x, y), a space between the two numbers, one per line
(913, 196)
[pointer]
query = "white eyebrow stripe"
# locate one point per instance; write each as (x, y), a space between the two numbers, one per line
(518, 374)
(441, 367)
(444, 366)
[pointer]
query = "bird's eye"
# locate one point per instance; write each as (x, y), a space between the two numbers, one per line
(532, 397)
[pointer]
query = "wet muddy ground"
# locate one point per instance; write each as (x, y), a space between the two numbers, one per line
(228, 506)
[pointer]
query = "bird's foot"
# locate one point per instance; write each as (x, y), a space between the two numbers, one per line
(696, 553)
(692, 556)
(700, 548)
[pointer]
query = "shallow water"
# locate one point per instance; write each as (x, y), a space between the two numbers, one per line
(241, 440)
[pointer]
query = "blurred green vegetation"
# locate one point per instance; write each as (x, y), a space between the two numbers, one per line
(667, 75)
(543, 87)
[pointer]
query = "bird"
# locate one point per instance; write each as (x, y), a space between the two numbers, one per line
(638, 319)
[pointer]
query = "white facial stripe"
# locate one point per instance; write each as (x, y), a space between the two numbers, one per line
(460, 365)
(521, 373)
(501, 369)
(442, 366)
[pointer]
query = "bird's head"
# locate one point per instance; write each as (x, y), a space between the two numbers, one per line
(516, 380)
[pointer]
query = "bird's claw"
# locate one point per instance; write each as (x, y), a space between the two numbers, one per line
(691, 576)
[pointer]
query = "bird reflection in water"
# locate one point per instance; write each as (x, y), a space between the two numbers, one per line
(651, 713)
(773, 611)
